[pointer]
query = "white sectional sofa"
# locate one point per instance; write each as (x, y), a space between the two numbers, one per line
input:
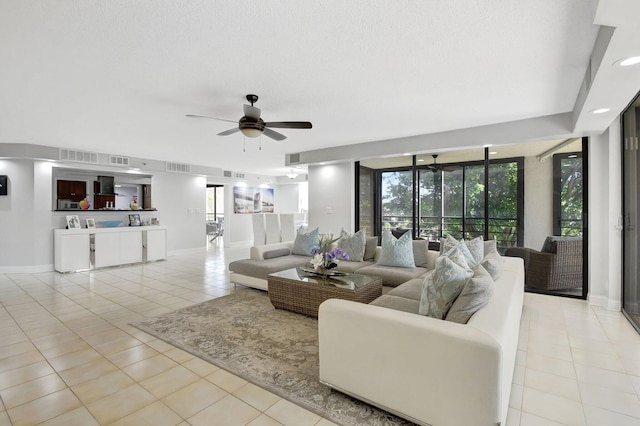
(427, 370)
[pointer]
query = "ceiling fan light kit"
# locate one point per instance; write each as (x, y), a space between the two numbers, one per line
(252, 126)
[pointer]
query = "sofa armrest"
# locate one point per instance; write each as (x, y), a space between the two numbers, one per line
(428, 370)
(257, 252)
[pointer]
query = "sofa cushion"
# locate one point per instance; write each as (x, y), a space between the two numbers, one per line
(262, 268)
(353, 244)
(475, 295)
(305, 242)
(421, 253)
(442, 287)
(276, 253)
(397, 252)
(550, 245)
(412, 289)
(397, 303)
(391, 276)
(370, 248)
(492, 262)
(352, 267)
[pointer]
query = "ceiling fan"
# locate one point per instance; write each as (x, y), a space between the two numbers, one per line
(252, 126)
(435, 167)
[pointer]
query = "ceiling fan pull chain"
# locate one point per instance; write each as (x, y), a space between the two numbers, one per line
(244, 144)
(260, 144)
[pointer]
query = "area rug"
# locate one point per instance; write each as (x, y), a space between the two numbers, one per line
(274, 349)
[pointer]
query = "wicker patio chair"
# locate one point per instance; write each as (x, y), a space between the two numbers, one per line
(558, 267)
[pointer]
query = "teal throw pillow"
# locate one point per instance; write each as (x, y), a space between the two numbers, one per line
(397, 251)
(305, 242)
(353, 244)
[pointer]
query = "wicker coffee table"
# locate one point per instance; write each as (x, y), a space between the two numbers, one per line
(299, 291)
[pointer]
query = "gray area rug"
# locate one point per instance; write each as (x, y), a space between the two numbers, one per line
(274, 349)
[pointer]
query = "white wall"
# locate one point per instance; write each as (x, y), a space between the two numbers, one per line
(181, 203)
(286, 198)
(538, 201)
(605, 201)
(331, 197)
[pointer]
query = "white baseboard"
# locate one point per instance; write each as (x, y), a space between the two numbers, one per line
(30, 269)
(605, 302)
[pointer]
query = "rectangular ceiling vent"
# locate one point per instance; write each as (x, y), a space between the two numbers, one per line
(294, 158)
(117, 160)
(227, 173)
(178, 167)
(239, 175)
(80, 156)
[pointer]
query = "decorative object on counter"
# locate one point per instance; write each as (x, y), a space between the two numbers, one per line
(3, 184)
(109, 224)
(324, 259)
(134, 220)
(91, 223)
(134, 204)
(155, 221)
(84, 204)
(73, 222)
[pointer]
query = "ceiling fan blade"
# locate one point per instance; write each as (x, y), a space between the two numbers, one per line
(229, 132)
(252, 112)
(289, 124)
(210, 118)
(273, 134)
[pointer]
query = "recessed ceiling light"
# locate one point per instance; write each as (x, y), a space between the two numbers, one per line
(493, 152)
(600, 110)
(407, 153)
(420, 160)
(627, 62)
(487, 145)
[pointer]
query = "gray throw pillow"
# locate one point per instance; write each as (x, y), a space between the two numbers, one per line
(476, 294)
(458, 257)
(493, 263)
(305, 242)
(421, 253)
(353, 244)
(489, 246)
(370, 248)
(276, 253)
(476, 247)
(441, 288)
(397, 251)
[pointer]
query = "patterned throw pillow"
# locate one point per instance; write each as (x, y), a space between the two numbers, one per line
(397, 251)
(476, 247)
(305, 242)
(476, 294)
(441, 288)
(353, 244)
(456, 254)
(492, 262)
(472, 258)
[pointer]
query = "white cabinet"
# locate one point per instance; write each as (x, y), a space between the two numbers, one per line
(155, 242)
(112, 246)
(71, 252)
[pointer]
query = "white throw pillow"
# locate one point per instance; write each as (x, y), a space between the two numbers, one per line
(397, 251)
(441, 288)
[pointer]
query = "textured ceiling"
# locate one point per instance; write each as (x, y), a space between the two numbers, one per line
(118, 76)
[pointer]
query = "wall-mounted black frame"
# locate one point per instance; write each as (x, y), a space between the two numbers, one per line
(4, 190)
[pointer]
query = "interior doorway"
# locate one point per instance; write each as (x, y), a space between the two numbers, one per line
(215, 213)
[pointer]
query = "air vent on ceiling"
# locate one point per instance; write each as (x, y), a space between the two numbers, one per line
(117, 160)
(178, 167)
(227, 173)
(294, 158)
(80, 156)
(239, 175)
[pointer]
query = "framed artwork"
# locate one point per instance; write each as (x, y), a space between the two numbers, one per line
(3, 185)
(91, 223)
(252, 200)
(134, 220)
(154, 221)
(73, 222)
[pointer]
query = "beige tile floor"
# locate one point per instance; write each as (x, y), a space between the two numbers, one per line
(69, 357)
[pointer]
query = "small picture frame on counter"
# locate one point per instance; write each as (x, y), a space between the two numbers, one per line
(91, 223)
(73, 221)
(154, 221)
(134, 220)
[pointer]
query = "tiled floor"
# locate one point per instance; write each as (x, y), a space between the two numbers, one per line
(69, 357)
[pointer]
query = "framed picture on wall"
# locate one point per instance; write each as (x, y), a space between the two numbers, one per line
(134, 220)
(73, 221)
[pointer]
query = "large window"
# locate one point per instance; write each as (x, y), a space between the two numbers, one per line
(397, 199)
(567, 194)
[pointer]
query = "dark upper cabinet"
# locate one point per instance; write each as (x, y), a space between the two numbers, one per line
(72, 190)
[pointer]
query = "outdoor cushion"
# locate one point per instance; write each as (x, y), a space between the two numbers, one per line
(550, 246)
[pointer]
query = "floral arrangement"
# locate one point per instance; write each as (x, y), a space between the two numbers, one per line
(323, 257)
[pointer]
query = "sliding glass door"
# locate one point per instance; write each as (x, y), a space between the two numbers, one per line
(631, 213)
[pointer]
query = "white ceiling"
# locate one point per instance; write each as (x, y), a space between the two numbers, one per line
(118, 76)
